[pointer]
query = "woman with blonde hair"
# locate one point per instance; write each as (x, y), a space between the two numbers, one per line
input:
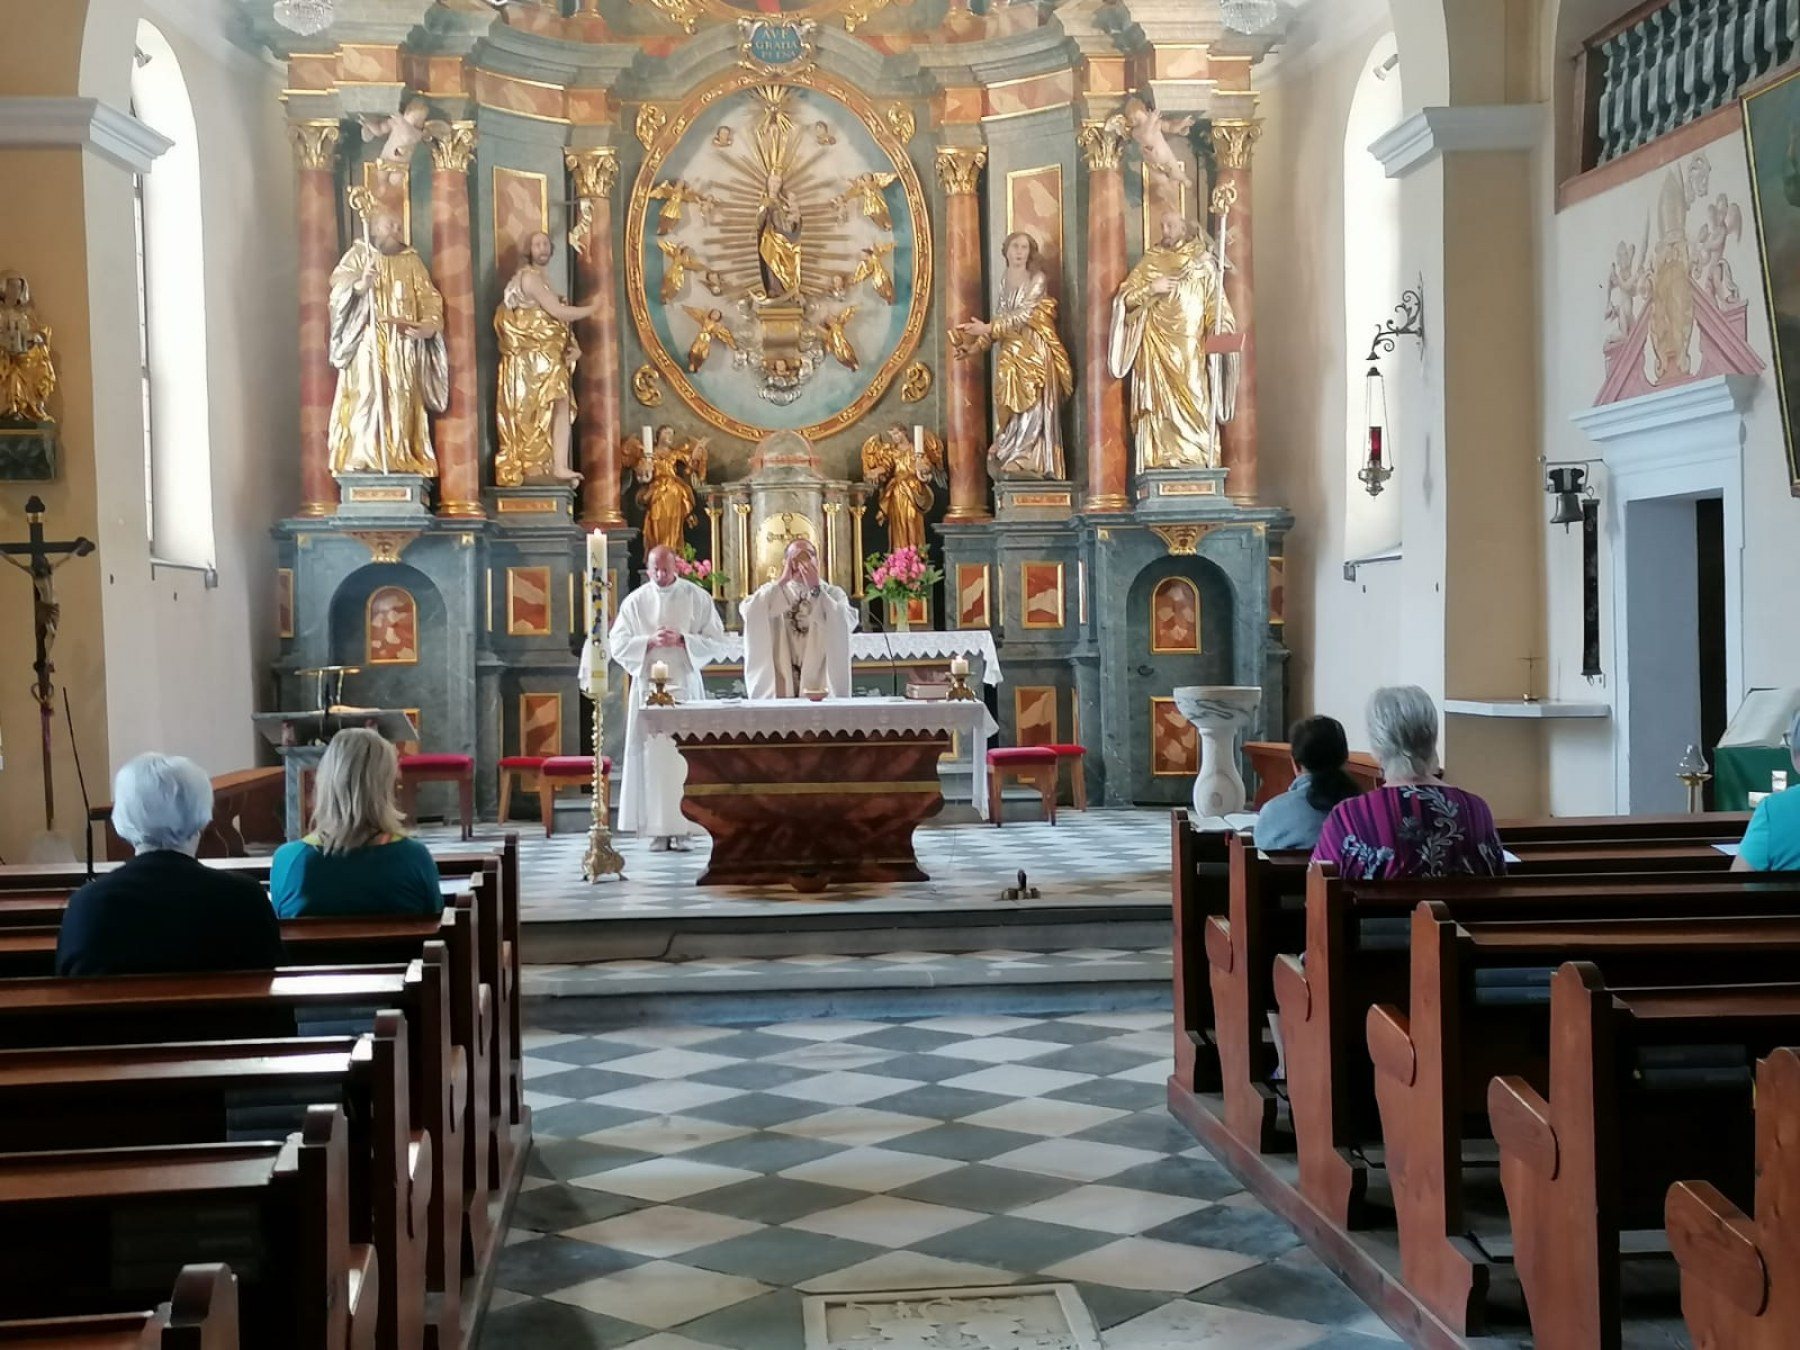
(357, 859)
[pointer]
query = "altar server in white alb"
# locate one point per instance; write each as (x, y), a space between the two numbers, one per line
(671, 620)
(797, 631)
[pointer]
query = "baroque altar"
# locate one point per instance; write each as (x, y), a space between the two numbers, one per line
(877, 274)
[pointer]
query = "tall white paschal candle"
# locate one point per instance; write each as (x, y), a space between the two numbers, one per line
(649, 444)
(595, 609)
(918, 440)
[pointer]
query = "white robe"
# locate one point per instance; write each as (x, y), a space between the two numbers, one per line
(655, 773)
(780, 661)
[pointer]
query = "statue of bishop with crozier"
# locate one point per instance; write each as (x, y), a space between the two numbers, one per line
(797, 632)
(672, 621)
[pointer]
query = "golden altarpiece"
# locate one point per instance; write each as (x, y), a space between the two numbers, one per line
(970, 277)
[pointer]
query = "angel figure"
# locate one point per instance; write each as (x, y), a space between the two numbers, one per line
(404, 130)
(1624, 286)
(823, 134)
(902, 471)
(667, 475)
(1149, 131)
(867, 190)
(677, 259)
(1712, 273)
(27, 370)
(674, 196)
(712, 325)
(874, 270)
(837, 341)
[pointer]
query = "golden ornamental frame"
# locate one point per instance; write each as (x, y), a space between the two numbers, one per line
(854, 13)
(665, 141)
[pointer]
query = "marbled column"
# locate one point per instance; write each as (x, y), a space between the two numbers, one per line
(597, 382)
(965, 386)
(1232, 142)
(1102, 396)
(457, 435)
(315, 154)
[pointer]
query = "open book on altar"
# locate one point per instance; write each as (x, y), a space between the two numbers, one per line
(1763, 717)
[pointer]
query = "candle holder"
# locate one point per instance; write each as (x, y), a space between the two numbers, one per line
(959, 687)
(602, 860)
(1694, 775)
(659, 697)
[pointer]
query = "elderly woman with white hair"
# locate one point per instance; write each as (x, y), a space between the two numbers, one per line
(1415, 825)
(165, 912)
(1772, 839)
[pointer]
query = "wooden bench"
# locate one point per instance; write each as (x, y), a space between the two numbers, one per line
(1646, 1086)
(141, 1095)
(1478, 1008)
(201, 1314)
(107, 1230)
(1740, 1276)
(249, 807)
(135, 1009)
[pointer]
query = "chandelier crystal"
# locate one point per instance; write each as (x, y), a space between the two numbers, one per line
(1249, 16)
(304, 17)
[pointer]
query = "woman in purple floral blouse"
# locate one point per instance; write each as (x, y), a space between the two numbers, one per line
(1416, 825)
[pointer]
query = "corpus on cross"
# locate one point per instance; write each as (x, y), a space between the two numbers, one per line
(39, 558)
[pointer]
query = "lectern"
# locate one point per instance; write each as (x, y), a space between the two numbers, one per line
(300, 739)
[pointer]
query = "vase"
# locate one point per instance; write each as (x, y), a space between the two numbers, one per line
(899, 616)
(1219, 713)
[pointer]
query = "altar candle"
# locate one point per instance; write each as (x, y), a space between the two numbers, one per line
(659, 671)
(918, 440)
(648, 443)
(959, 664)
(596, 577)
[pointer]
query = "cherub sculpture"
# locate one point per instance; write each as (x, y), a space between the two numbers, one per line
(836, 340)
(677, 259)
(902, 471)
(667, 472)
(1624, 287)
(712, 325)
(866, 191)
(674, 196)
(404, 130)
(1712, 273)
(874, 269)
(1149, 131)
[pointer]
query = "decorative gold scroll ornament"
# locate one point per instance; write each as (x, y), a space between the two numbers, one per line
(1233, 140)
(916, 383)
(794, 276)
(1183, 541)
(1103, 143)
(685, 14)
(385, 546)
(901, 122)
(645, 387)
(453, 147)
(315, 143)
(651, 119)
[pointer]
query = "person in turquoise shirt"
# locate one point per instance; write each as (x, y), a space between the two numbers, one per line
(1772, 840)
(356, 860)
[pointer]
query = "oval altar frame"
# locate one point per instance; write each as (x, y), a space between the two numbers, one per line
(637, 291)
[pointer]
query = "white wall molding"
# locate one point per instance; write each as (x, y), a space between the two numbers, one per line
(1423, 136)
(1671, 428)
(80, 124)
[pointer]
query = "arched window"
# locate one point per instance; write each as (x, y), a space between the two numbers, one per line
(172, 316)
(1372, 288)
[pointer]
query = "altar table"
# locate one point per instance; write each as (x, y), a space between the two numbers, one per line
(806, 794)
(914, 645)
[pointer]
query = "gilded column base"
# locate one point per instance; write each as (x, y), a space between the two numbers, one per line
(606, 520)
(1108, 501)
(964, 516)
(316, 510)
(463, 511)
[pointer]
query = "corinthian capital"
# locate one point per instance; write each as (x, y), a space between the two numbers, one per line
(315, 143)
(595, 170)
(452, 150)
(1102, 143)
(1233, 140)
(958, 166)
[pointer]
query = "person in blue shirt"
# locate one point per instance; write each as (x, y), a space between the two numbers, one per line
(356, 860)
(1294, 819)
(1772, 839)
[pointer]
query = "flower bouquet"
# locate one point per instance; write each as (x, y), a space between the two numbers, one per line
(901, 577)
(698, 570)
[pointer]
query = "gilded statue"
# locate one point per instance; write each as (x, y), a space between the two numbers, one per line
(903, 471)
(869, 192)
(711, 325)
(874, 269)
(27, 368)
(778, 227)
(535, 401)
(667, 474)
(836, 340)
(674, 196)
(678, 260)
(387, 344)
(1032, 374)
(1170, 304)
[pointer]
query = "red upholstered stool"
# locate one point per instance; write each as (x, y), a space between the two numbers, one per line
(1077, 774)
(520, 769)
(563, 771)
(458, 769)
(1033, 765)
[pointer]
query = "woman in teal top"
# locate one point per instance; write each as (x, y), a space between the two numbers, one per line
(1772, 839)
(356, 860)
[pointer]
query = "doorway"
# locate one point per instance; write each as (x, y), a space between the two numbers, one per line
(1179, 631)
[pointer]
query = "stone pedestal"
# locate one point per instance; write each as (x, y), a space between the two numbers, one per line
(386, 495)
(533, 501)
(1034, 499)
(27, 452)
(1180, 492)
(1220, 713)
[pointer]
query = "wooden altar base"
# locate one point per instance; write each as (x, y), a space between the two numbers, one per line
(809, 812)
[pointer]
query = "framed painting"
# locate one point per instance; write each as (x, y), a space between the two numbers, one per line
(1174, 743)
(528, 602)
(284, 602)
(972, 595)
(540, 724)
(1772, 130)
(1034, 714)
(1175, 616)
(1041, 586)
(391, 628)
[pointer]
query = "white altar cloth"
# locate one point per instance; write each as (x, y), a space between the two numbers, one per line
(920, 644)
(797, 716)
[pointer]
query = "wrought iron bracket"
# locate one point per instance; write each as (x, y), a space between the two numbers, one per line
(1409, 322)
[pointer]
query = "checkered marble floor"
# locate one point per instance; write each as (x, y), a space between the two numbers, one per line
(1111, 857)
(692, 1184)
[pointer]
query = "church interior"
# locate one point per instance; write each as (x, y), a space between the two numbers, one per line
(956, 674)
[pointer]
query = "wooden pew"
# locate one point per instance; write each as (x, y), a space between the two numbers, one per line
(1198, 889)
(1357, 955)
(249, 807)
(105, 1230)
(141, 1095)
(135, 1009)
(201, 1314)
(1273, 764)
(1740, 1277)
(1433, 1062)
(1623, 1120)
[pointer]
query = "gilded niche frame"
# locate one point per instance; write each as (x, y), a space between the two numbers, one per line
(636, 284)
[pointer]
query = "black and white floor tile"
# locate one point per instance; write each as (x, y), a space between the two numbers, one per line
(692, 1185)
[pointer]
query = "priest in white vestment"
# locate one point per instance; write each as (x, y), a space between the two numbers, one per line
(673, 621)
(797, 631)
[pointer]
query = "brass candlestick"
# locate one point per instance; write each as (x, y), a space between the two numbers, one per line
(659, 697)
(1694, 775)
(602, 860)
(959, 687)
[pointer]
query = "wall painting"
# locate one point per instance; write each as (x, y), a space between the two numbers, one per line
(1034, 205)
(392, 628)
(521, 209)
(1175, 616)
(284, 602)
(528, 602)
(540, 724)
(1034, 714)
(1174, 743)
(1772, 126)
(972, 595)
(1041, 585)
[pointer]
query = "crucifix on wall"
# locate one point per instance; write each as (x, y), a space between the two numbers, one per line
(41, 558)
